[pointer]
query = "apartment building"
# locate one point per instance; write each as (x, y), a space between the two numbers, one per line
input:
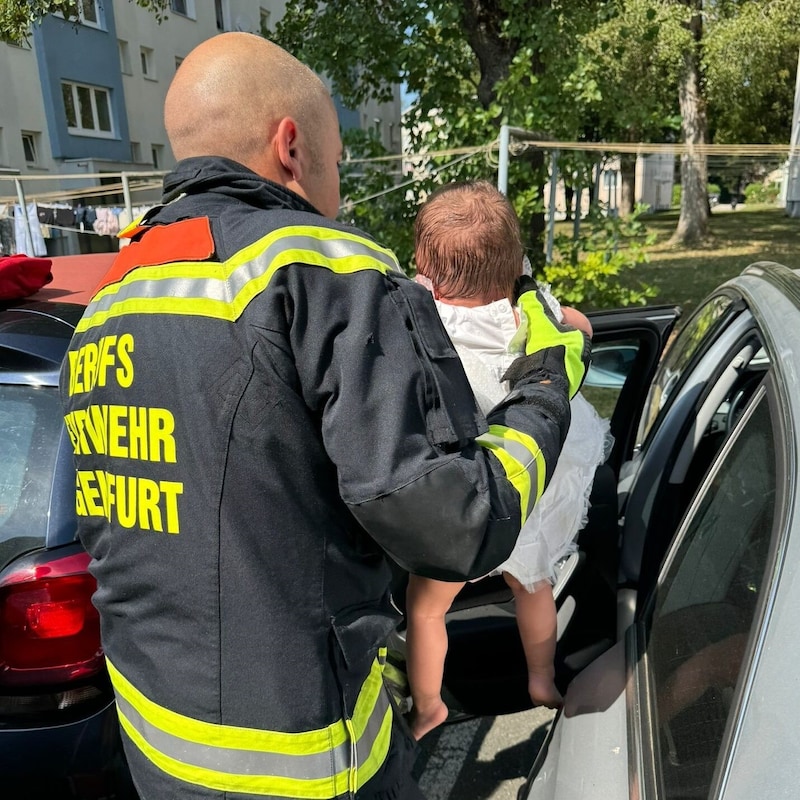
(81, 103)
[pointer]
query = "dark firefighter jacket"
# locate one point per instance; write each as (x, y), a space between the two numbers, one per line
(261, 405)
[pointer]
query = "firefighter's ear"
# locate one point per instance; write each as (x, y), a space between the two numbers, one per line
(286, 147)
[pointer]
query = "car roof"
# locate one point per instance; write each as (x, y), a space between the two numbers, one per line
(75, 277)
(38, 328)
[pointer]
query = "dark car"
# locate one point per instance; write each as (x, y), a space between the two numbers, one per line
(58, 728)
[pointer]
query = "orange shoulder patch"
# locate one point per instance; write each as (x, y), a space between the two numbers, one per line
(187, 240)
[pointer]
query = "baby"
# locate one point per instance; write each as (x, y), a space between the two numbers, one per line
(469, 253)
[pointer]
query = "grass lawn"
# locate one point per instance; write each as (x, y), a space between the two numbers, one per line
(740, 237)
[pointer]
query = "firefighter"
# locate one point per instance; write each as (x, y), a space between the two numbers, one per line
(262, 407)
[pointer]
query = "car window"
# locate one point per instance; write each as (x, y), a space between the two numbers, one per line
(705, 606)
(609, 368)
(679, 354)
(30, 421)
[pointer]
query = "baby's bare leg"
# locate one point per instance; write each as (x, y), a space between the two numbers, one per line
(536, 620)
(427, 602)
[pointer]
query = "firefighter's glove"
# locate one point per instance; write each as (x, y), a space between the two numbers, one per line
(560, 347)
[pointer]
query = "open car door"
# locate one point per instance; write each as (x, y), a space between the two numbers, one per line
(485, 670)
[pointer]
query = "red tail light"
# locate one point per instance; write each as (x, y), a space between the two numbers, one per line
(49, 629)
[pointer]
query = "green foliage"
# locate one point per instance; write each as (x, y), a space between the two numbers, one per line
(595, 271)
(765, 193)
(18, 16)
(370, 198)
(711, 189)
(750, 61)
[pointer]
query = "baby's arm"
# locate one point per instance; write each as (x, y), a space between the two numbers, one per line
(578, 320)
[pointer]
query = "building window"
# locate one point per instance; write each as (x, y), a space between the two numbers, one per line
(183, 7)
(148, 63)
(124, 57)
(219, 12)
(136, 152)
(89, 13)
(157, 154)
(263, 21)
(29, 147)
(87, 109)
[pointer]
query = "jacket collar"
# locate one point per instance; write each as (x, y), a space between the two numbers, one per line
(216, 174)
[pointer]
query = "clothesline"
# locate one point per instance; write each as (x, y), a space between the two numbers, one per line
(27, 232)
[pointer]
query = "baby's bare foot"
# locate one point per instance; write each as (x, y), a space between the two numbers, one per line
(543, 691)
(422, 721)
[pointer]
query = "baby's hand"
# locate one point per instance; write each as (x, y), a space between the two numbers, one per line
(571, 316)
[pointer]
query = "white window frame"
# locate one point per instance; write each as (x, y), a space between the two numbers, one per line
(32, 140)
(222, 15)
(99, 22)
(157, 155)
(125, 66)
(147, 62)
(79, 130)
(189, 11)
(263, 20)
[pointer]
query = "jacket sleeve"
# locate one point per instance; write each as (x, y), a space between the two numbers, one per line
(440, 488)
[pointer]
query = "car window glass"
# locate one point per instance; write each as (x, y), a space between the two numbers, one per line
(31, 421)
(677, 357)
(610, 365)
(705, 606)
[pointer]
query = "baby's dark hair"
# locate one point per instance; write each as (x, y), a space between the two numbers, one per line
(467, 242)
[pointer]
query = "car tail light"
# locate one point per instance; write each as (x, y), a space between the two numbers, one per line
(49, 629)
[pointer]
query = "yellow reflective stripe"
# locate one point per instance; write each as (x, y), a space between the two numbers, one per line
(226, 736)
(291, 758)
(522, 460)
(222, 290)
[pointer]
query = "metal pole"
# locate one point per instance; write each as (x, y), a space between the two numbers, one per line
(793, 182)
(21, 197)
(126, 193)
(551, 222)
(502, 167)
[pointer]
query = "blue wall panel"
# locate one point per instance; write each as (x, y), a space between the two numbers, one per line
(81, 54)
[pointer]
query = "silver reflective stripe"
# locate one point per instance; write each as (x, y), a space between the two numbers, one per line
(226, 288)
(249, 762)
(516, 450)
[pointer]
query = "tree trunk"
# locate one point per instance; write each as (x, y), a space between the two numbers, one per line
(627, 171)
(693, 225)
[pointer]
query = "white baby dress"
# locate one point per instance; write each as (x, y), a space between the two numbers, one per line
(484, 339)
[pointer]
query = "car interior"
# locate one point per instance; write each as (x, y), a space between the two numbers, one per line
(485, 667)
(485, 671)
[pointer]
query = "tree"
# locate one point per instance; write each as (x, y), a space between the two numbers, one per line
(471, 64)
(626, 77)
(17, 16)
(695, 211)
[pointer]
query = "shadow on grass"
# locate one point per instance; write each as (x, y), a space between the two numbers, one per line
(738, 238)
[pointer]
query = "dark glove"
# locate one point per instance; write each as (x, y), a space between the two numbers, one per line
(560, 346)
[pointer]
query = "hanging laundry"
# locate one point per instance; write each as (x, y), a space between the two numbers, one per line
(28, 237)
(107, 223)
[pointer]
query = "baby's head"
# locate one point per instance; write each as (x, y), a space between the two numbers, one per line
(467, 243)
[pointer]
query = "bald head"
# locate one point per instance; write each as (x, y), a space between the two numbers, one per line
(230, 93)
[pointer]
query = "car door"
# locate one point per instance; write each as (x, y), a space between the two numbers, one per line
(485, 670)
(685, 704)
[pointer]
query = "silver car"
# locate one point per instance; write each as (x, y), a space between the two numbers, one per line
(695, 693)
